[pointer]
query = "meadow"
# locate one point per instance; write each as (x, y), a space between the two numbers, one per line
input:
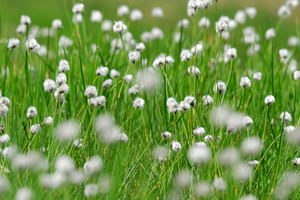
(206, 107)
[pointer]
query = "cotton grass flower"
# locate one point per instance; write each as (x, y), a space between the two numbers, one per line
(78, 8)
(114, 73)
(63, 66)
(13, 43)
(253, 163)
(270, 34)
(53, 181)
(134, 56)
(67, 130)
(138, 103)
(93, 165)
(3, 110)
(91, 190)
(185, 55)
(48, 121)
(221, 26)
(102, 71)
(286, 117)
(194, 71)
(32, 44)
(220, 87)
(207, 100)
(269, 100)
(251, 145)
(64, 164)
(257, 76)
(245, 82)
(183, 179)
(24, 193)
(25, 20)
(148, 79)
(242, 172)
(297, 75)
(219, 184)
(288, 183)
(34, 129)
(157, 12)
(204, 23)
(176, 146)
(199, 155)
(107, 129)
(4, 139)
(90, 91)
(136, 15)
(57, 24)
(229, 156)
(123, 10)
(49, 85)
(232, 54)
(198, 131)
(119, 27)
(96, 16)
(166, 135)
(202, 189)
(160, 153)
(31, 112)
(248, 197)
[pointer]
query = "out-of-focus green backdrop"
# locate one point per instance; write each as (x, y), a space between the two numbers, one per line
(43, 12)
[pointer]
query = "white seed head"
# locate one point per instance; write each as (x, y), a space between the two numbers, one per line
(160, 153)
(242, 172)
(220, 87)
(49, 85)
(269, 99)
(166, 135)
(198, 131)
(25, 20)
(286, 117)
(176, 146)
(138, 103)
(24, 194)
(207, 100)
(13, 43)
(96, 16)
(183, 179)
(67, 130)
(93, 165)
(56, 24)
(123, 10)
(31, 112)
(90, 91)
(245, 82)
(199, 154)
(251, 146)
(63, 66)
(91, 190)
(257, 76)
(270, 33)
(229, 156)
(78, 8)
(136, 15)
(219, 184)
(64, 164)
(106, 128)
(119, 27)
(34, 129)
(157, 12)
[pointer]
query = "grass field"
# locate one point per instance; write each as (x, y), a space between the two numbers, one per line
(188, 105)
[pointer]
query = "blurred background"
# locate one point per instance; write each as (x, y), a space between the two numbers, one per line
(42, 12)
